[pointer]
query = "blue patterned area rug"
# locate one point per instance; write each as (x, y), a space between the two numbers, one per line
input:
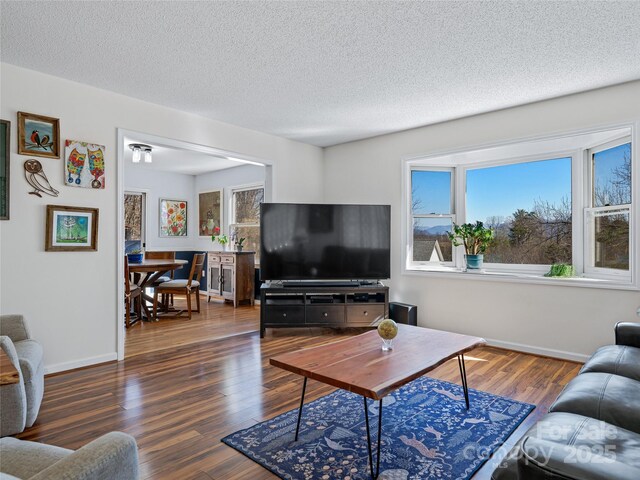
(426, 433)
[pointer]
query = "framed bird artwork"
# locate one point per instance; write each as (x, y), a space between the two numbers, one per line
(38, 135)
(83, 164)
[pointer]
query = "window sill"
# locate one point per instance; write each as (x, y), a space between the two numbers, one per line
(519, 277)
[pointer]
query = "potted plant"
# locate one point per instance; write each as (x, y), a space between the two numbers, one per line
(561, 270)
(239, 243)
(222, 239)
(135, 256)
(475, 238)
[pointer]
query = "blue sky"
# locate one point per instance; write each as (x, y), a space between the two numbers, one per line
(496, 190)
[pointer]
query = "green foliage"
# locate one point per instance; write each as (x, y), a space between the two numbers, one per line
(474, 236)
(240, 241)
(561, 270)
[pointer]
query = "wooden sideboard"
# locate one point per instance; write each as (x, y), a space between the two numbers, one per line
(231, 276)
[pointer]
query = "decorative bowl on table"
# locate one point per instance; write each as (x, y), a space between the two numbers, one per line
(135, 257)
(388, 330)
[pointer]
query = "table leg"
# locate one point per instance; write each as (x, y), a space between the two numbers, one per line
(304, 388)
(369, 449)
(463, 376)
(366, 418)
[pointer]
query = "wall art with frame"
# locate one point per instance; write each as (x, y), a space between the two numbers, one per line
(71, 229)
(173, 218)
(5, 137)
(38, 135)
(209, 212)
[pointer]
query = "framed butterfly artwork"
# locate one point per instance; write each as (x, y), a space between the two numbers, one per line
(84, 164)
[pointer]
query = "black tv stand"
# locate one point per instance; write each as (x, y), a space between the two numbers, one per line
(297, 304)
(319, 283)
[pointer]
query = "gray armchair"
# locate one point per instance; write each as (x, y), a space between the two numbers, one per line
(113, 456)
(20, 401)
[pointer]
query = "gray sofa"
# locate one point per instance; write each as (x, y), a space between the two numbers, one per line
(592, 430)
(113, 456)
(21, 401)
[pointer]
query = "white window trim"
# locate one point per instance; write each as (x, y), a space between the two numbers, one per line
(232, 213)
(517, 273)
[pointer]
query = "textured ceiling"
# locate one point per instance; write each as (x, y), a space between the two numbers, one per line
(329, 72)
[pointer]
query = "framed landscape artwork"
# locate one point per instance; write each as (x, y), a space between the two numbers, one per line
(84, 164)
(71, 229)
(209, 212)
(173, 218)
(5, 135)
(38, 135)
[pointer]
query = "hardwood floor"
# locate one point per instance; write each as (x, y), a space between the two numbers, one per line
(186, 384)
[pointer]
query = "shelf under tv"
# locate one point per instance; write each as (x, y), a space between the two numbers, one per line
(319, 283)
(308, 305)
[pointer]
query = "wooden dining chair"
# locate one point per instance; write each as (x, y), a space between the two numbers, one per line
(185, 287)
(132, 296)
(164, 278)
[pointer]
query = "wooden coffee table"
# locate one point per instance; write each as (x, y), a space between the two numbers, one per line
(359, 365)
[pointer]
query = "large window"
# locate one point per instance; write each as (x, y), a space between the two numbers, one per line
(245, 216)
(528, 205)
(562, 200)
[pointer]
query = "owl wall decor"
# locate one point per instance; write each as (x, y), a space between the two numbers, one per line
(84, 164)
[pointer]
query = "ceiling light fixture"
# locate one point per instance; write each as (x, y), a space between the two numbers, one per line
(138, 150)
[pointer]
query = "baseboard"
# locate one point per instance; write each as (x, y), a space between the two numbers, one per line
(83, 362)
(545, 352)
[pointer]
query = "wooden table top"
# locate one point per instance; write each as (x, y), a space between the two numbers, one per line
(359, 365)
(154, 265)
(8, 373)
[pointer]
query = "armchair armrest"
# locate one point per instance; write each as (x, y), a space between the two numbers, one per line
(13, 398)
(113, 456)
(545, 460)
(628, 333)
(14, 327)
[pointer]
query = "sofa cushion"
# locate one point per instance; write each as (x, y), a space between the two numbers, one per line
(617, 359)
(25, 459)
(559, 445)
(602, 396)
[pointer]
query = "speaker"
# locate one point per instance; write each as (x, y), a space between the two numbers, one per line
(403, 313)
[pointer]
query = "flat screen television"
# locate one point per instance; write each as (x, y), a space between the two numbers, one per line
(324, 242)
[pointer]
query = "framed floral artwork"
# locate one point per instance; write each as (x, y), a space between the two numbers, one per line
(71, 229)
(209, 212)
(173, 218)
(38, 135)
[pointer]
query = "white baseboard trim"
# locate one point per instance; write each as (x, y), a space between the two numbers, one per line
(83, 362)
(547, 352)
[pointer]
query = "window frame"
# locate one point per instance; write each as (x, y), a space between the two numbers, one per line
(232, 207)
(588, 238)
(452, 215)
(484, 156)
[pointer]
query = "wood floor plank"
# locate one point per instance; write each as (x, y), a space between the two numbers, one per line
(185, 384)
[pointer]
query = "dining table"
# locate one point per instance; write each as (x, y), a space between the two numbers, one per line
(147, 272)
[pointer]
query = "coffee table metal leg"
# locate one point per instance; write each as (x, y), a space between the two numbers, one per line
(366, 418)
(304, 388)
(379, 438)
(463, 375)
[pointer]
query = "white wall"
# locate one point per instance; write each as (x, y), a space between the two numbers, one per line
(546, 318)
(71, 306)
(168, 185)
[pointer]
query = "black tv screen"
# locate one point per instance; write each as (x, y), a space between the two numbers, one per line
(327, 242)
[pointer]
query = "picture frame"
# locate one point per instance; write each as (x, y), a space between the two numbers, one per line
(173, 218)
(84, 164)
(71, 229)
(38, 135)
(5, 164)
(210, 208)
